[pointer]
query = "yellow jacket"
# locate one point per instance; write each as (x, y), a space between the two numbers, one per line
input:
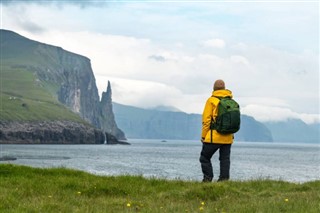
(210, 112)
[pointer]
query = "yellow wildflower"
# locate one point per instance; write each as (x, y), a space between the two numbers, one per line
(286, 199)
(202, 203)
(128, 204)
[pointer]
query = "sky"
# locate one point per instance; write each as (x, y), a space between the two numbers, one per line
(171, 52)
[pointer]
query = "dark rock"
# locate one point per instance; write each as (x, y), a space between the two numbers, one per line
(49, 132)
(108, 123)
(7, 158)
(110, 139)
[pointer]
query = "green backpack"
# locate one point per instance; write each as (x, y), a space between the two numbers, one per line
(228, 119)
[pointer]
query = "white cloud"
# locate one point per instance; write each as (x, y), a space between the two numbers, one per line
(139, 93)
(263, 101)
(239, 59)
(268, 113)
(215, 43)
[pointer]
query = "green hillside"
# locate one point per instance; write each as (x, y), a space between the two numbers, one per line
(23, 96)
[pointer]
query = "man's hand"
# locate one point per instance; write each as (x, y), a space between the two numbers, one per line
(202, 139)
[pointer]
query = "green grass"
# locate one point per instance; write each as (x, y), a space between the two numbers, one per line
(23, 109)
(24, 98)
(25, 189)
(22, 83)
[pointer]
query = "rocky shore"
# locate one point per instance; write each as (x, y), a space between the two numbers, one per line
(49, 132)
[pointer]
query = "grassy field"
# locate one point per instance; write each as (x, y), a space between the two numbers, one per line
(25, 189)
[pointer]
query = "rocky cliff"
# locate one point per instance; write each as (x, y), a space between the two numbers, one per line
(60, 76)
(108, 123)
(49, 132)
(73, 75)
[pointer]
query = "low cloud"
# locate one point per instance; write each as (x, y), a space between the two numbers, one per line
(144, 94)
(21, 19)
(268, 114)
(158, 58)
(238, 59)
(215, 43)
(31, 27)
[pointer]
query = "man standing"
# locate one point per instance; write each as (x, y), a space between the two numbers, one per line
(213, 140)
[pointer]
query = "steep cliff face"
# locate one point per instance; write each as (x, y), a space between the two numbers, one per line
(108, 123)
(68, 77)
(73, 77)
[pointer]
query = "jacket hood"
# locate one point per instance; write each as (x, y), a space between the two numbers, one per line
(222, 93)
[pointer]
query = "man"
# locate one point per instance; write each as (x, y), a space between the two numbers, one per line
(211, 139)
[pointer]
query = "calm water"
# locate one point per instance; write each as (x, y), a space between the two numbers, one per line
(174, 159)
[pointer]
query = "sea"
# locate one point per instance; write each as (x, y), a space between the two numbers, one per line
(173, 159)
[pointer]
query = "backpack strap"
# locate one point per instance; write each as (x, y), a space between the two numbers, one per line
(216, 97)
(221, 97)
(213, 122)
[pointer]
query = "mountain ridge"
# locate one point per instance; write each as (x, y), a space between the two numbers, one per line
(251, 129)
(153, 124)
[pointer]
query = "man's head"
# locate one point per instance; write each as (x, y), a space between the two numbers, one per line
(219, 84)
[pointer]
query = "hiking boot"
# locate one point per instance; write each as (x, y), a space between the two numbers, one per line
(222, 179)
(207, 179)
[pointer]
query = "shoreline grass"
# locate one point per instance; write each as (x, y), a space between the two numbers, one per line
(27, 189)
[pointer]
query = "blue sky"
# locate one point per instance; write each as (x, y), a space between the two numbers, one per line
(170, 53)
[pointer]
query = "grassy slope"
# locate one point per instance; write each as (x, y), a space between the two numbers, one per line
(25, 189)
(24, 98)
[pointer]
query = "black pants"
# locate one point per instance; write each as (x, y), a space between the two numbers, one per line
(208, 149)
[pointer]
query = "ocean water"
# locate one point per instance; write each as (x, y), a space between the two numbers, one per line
(174, 159)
